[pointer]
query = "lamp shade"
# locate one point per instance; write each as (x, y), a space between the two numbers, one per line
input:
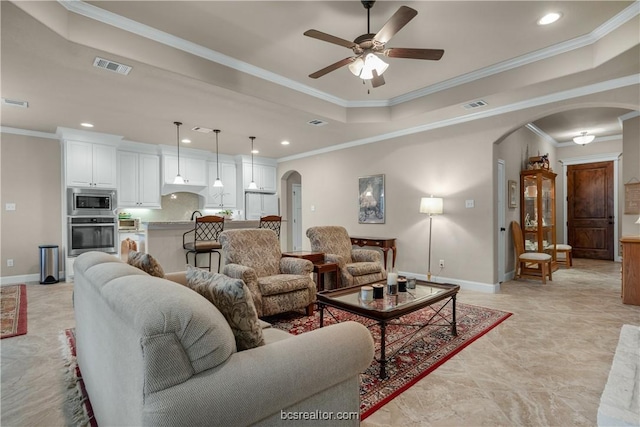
(372, 62)
(431, 205)
(638, 221)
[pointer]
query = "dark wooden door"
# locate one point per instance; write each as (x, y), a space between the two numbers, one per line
(590, 214)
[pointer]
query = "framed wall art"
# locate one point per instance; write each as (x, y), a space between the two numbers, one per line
(513, 194)
(371, 199)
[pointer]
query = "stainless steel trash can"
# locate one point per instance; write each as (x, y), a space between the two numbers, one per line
(49, 264)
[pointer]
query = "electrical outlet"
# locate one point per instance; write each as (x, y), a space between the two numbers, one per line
(9, 263)
(441, 263)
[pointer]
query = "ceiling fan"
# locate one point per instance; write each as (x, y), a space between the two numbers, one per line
(368, 48)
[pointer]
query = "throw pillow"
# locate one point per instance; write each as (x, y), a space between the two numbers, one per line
(233, 298)
(146, 263)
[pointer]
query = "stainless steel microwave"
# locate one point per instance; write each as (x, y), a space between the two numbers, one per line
(91, 201)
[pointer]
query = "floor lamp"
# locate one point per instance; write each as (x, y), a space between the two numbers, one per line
(432, 206)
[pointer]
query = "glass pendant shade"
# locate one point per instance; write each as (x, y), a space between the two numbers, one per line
(252, 186)
(178, 179)
(356, 67)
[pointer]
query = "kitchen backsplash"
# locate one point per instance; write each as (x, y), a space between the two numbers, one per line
(175, 207)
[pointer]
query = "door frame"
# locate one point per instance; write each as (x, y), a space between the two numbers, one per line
(296, 216)
(605, 157)
(502, 234)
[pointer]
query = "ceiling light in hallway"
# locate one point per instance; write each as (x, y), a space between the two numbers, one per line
(549, 18)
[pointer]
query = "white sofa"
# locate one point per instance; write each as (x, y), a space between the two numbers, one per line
(154, 352)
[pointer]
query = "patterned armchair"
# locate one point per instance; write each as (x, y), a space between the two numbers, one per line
(277, 284)
(357, 266)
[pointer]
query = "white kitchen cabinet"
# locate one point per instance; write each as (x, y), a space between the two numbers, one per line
(259, 205)
(90, 165)
(138, 180)
(192, 170)
(225, 197)
(263, 175)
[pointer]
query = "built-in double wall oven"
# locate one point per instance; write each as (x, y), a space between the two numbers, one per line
(91, 220)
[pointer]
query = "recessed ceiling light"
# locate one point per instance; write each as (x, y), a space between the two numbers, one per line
(549, 18)
(86, 125)
(285, 143)
(186, 141)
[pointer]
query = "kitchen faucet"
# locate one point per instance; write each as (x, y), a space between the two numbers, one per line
(193, 215)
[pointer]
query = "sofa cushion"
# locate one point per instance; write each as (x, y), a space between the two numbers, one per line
(233, 298)
(362, 268)
(146, 263)
(282, 283)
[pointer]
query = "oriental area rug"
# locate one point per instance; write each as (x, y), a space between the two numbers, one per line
(13, 310)
(409, 359)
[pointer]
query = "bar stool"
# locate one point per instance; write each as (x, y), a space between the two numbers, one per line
(205, 239)
(271, 222)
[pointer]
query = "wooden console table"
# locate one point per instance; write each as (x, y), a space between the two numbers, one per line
(384, 243)
(630, 270)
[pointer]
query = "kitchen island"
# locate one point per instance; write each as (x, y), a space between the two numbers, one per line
(163, 240)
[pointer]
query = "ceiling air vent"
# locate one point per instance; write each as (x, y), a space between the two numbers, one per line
(317, 122)
(15, 103)
(202, 130)
(111, 66)
(475, 104)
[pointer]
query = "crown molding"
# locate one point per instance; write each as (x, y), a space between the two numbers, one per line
(93, 12)
(529, 103)
(26, 132)
(542, 134)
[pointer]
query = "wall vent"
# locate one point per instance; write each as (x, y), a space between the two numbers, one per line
(15, 103)
(111, 66)
(475, 104)
(202, 130)
(317, 122)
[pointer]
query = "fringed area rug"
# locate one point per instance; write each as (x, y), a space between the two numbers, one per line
(77, 405)
(13, 310)
(411, 353)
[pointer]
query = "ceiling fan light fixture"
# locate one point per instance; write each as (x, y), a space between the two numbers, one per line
(583, 138)
(372, 62)
(356, 67)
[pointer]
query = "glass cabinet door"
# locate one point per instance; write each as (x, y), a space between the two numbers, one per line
(538, 212)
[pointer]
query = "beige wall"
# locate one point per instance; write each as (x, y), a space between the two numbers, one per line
(630, 170)
(31, 178)
(457, 163)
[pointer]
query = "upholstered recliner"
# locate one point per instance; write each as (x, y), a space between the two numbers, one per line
(357, 266)
(277, 284)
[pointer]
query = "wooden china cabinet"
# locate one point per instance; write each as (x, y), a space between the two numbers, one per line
(538, 211)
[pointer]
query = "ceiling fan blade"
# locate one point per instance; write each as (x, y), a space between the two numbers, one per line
(401, 52)
(332, 67)
(377, 80)
(395, 23)
(329, 38)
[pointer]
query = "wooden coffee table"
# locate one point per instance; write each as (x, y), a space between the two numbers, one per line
(392, 307)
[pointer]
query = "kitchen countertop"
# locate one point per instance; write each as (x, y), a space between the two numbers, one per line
(167, 225)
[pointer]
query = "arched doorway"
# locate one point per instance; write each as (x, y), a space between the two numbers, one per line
(291, 195)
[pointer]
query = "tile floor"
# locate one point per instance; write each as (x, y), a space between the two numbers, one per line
(544, 366)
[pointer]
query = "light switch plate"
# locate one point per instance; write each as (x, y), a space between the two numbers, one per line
(469, 203)
(10, 207)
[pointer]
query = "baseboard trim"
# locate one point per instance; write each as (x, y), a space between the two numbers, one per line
(464, 284)
(24, 278)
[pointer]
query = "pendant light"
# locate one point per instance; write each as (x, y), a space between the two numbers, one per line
(252, 184)
(217, 182)
(178, 179)
(583, 138)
